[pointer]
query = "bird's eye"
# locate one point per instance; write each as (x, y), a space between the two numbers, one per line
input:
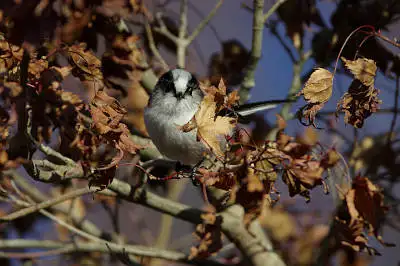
(192, 85)
(168, 86)
(166, 82)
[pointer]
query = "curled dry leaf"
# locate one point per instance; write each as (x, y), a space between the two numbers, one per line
(316, 92)
(303, 168)
(363, 69)
(279, 223)
(10, 56)
(361, 99)
(86, 65)
(107, 114)
(222, 179)
(363, 210)
(358, 103)
(210, 235)
(252, 195)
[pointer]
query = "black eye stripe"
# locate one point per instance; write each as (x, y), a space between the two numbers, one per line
(192, 84)
(168, 81)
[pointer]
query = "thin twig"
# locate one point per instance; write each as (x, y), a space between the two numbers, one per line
(81, 246)
(182, 41)
(153, 47)
(38, 196)
(45, 204)
(203, 23)
(273, 9)
(396, 103)
(163, 29)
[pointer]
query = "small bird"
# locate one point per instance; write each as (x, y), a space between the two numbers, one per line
(173, 103)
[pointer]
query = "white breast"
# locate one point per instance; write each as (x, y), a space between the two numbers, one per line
(169, 139)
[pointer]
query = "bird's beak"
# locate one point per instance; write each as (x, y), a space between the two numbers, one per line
(179, 95)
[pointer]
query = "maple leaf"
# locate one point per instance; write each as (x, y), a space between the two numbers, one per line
(221, 98)
(363, 69)
(210, 128)
(301, 176)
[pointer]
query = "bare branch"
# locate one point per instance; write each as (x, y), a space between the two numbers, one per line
(163, 29)
(204, 23)
(259, 19)
(183, 20)
(46, 204)
(182, 43)
(256, 47)
(396, 104)
(153, 47)
(38, 196)
(272, 10)
(80, 246)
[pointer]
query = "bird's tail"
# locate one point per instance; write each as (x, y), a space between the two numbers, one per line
(251, 108)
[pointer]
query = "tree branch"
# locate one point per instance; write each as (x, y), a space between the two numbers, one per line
(272, 10)
(252, 246)
(204, 23)
(256, 47)
(45, 204)
(153, 47)
(259, 19)
(76, 219)
(80, 246)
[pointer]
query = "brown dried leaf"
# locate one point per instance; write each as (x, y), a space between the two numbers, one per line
(358, 103)
(36, 67)
(363, 69)
(330, 159)
(221, 179)
(220, 97)
(86, 65)
(106, 114)
(309, 137)
(252, 196)
(318, 88)
(309, 112)
(363, 210)
(279, 223)
(233, 99)
(210, 235)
